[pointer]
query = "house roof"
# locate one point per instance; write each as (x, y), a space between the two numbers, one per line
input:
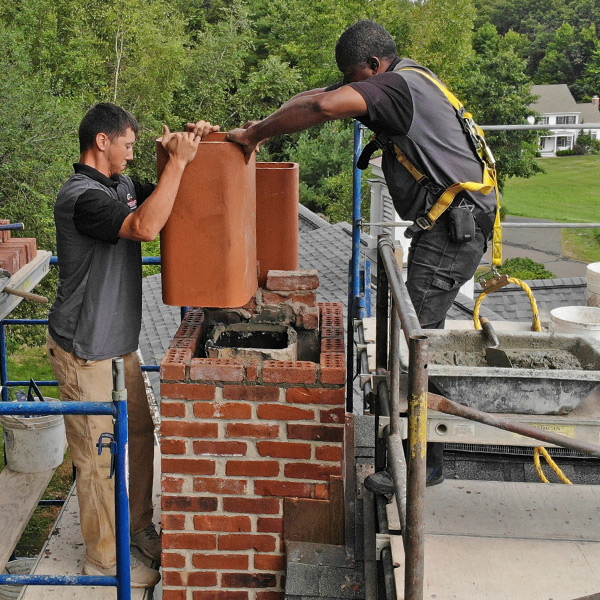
(589, 113)
(553, 98)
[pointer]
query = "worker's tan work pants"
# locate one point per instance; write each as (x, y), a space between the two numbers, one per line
(91, 381)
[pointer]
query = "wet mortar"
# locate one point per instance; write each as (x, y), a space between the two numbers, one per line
(552, 359)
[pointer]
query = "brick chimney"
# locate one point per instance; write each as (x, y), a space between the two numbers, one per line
(239, 437)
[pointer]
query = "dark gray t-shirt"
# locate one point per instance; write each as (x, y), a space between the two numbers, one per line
(97, 311)
(416, 115)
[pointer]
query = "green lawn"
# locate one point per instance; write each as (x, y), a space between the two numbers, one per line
(569, 192)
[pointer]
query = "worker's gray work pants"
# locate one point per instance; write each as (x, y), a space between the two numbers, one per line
(91, 381)
(437, 268)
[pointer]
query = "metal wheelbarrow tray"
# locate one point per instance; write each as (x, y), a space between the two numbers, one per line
(552, 373)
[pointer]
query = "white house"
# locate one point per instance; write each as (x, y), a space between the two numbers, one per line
(556, 106)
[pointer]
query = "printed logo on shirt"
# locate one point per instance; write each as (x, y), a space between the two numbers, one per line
(131, 201)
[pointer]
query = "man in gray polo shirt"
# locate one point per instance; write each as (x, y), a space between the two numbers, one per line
(101, 217)
(401, 102)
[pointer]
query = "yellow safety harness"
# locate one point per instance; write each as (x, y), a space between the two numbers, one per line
(475, 133)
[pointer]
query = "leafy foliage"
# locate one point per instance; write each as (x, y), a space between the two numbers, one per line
(525, 268)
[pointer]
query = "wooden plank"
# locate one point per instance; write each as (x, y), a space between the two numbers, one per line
(511, 509)
(25, 279)
(64, 554)
(467, 568)
(19, 496)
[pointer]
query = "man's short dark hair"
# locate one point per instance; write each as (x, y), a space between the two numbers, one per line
(361, 41)
(106, 118)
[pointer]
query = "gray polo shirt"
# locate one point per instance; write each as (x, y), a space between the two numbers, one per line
(98, 308)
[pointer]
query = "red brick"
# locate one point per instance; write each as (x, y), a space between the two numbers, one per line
(333, 415)
(217, 485)
(174, 363)
(251, 304)
(222, 523)
(220, 448)
(251, 430)
(269, 524)
(332, 327)
(185, 541)
(315, 396)
(252, 370)
(283, 412)
(189, 503)
(333, 368)
(248, 580)
(251, 393)
(290, 281)
(246, 541)
(319, 433)
(5, 234)
(216, 369)
(189, 429)
(196, 579)
(188, 391)
(282, 489)
(329, 453)
(222, 410)
(270, 596)
(307, 320)
(331, 309)
(269, 562)
(309, 298)
(257, 506)
(169, 521)
(218, 595)
(172, 484)
(169, 446)
(193, 316)
(333, 345)
(252, 468)
(172, 559)
(187, 343)
(221, 561)
(322, 491)
(284, 449)
(174, 595)
(188, 466)
(279, 371)
(172, 409)
(311, 471)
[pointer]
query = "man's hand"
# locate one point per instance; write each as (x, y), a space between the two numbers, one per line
(242, 137)
(202, 128)
(181, 146)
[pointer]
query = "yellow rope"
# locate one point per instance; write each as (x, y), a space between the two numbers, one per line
(538, 466)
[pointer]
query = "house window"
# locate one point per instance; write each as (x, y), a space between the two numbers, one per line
(541, 120)
(565, 120)
(564, 142)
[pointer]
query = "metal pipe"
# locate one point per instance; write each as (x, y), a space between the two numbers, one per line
(146, 260)
(397, 466)
(394, 360)
(381, 316)
(3, 362)
(354, 283)
(57, 408)
(364, 359)
(12, 227)
(537, 127)
(389, 581)
(414, 540)
(122, 521)
(447, 406)
(104, 580)
(505, 225)
(370, 550)
(402, 302)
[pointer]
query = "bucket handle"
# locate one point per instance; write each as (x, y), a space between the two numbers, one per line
(35, 389)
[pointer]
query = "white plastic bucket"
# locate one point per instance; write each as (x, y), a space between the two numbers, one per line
(582, 320)
(35, 443)
(592, 273)
(21, 566)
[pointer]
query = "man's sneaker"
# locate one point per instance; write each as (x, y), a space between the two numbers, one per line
(141, 575)
(382, 483)
(148, 542)
(435, 476)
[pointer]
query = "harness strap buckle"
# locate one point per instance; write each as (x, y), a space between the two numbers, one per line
(425, 223)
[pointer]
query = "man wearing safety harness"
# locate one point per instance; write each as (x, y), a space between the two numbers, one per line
(437, 167)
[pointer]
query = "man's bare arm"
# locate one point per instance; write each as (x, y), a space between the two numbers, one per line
(300, 113)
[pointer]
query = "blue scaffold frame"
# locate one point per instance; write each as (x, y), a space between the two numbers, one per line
(118, 409)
